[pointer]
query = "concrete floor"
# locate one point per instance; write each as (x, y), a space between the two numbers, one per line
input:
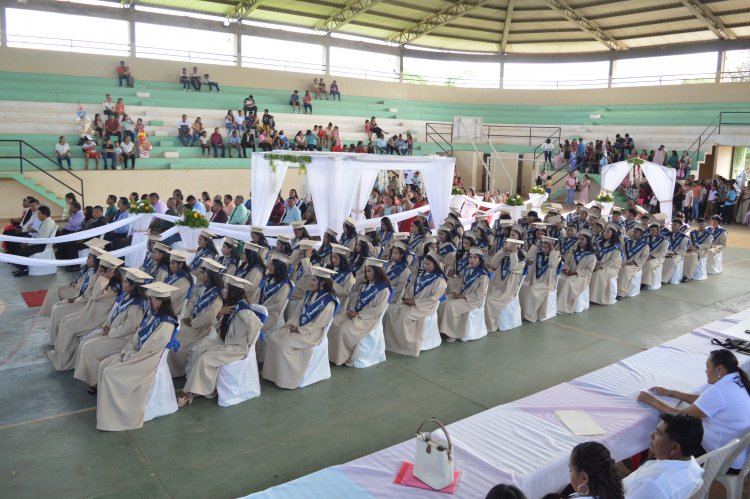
(49, 445)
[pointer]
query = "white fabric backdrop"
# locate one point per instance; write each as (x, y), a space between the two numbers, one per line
(660, 178)
(265, 187)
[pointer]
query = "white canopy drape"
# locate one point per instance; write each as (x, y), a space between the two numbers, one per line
(266, 186)
(660, 178)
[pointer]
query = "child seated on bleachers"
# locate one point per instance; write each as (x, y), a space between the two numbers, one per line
(367, 130)
(210, 83)
(89, 152)
(185, 80)
(109, 153)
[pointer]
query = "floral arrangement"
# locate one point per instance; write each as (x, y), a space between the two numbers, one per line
(300, 161)
(193, 219)
(537, 189)
(457, 190)
(634, 161)
(514, 200)
(604, 197)
(142, 206)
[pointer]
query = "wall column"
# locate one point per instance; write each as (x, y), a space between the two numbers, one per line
(327, 53)
(720, 60)
(3, 25)
(401, 64)
(131, 29)
(502, 73)
(611, 72)
(238, 42)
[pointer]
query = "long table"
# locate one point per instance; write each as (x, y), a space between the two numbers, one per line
(523, 442)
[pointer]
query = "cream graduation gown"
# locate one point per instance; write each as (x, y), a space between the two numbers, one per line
(62, 293)
(453, 313)
(125, 379)
(213, 352)
(63, 308)
(503, 286)
(539, 283)
(74, 326)
(609, 263)
(717, 245)
(288, 354)
(454, 273)
(570, 287)
(98, 347)
(636, 254)
(182, 281)
(678, 245)
(301, 279)
(202, 317)
(700, 243)
(403, 325)
(345, 334)
(343, 283)
(399, 274)
(657, 249)
(275, 297)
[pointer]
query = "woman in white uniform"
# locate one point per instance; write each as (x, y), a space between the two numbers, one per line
(576, 274)
(364, 311)
(290, 349)
(540, 281)
(126, 379)
(508, 265)
(119, 328)
(403, 323)
(657, 249)
(609, 262)
(453, 313)
(238, 329)
(678, 245)
(636, 253)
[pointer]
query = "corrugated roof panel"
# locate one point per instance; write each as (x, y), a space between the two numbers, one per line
(454, 44)
(743, 31)
(302, 7)
(207, 7)
(354, 29)
(390, 10)
(665, 15)
(537, 15)
(726, 5)
(667, 39)
(743, 18)
(542, 26)
(458, 32)
(295, 20)
(655, 29)
(476, 24)
(381, 21)
(554, 48)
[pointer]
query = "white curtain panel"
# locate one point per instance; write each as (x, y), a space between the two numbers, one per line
(660, 178)
(365, 184)
(613, 173)
(438, 182)
(266, 185)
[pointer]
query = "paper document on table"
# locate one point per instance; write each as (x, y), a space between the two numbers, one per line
(580, 423)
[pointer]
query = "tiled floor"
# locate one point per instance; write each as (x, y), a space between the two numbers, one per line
(49, 445)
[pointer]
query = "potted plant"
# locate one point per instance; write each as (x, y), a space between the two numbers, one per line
(537, 196)
(190, 227)
(142, 207)
(515, 206)
(457, 197)
(606, 200)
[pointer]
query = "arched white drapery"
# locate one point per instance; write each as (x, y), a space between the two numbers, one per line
(340, 183)
(660, 178)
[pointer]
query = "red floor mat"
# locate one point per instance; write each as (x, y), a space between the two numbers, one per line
(34, 298)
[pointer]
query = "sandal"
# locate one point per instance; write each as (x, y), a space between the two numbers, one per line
(91, 390)
(184, 399)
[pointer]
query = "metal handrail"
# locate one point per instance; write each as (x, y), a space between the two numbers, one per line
(712, 129)
(429, 136)
(21, 157)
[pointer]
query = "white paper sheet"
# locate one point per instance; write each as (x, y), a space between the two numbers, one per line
(580, 423)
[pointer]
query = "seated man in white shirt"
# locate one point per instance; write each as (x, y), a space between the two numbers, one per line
(674, 473)
(47, 228)
(62, 152)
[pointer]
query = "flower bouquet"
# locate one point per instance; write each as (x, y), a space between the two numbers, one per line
(141, 223)
(537, 196)
(190, 227)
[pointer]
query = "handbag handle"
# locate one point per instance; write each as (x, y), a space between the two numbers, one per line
(445, 431)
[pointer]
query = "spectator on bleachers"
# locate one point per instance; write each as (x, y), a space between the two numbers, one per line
(98, 126)
(127, 126)
(374, 128)
(89, 152)
(294, 102)
(391, 147)
(247, 142)
(118, 153)
(183, 130)
(322, 88)
(335, 91)
(299, 141)
(368, 130)
(660, 156)
(239, 121)
(229, 121)
(108, 105)
(283, 141)
(321, 133)
(249, 105)
(307, 102)
(409, 144)
(119, 109)
(123, 74)
(185, 80)
(266, 122)
(381, 144)
(314, 88)
(195, 79)
(197, 131)
(62, 151)
(139, 127)
(674, 471)
(360, 148)
(233, 143)
(210, 83)
(112, 127)
(205, 144)
(311, 141)
(217, 142)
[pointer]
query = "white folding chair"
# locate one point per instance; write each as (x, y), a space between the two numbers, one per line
(476, 328)
(319, 368)
(430, 334)
(700, 271)
(734, 483)
(582, 302)
(372, 347)
(161, 399)
(260, 349)
(657, 279)
(47, 254)
(611, 297)
(714, 263)
(635, 285)
(239, 381)
(677, 275)
(714, 462)
(510, 316)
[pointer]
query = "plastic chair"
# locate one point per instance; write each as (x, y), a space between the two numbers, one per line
(239, 381)
(657, 279)
(714, 462)
(677, 275)
(261, 347)
(510, 316)
(700, 271)
(734, 483)
(319, 368)
(372, 347)
(47, 254)
(635, 285)
(611, 297)
(430, 334)
(476, 328)
(582, 302)
(551, 311)
(714, 263)
(161, 399)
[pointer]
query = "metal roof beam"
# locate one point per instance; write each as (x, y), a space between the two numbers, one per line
(506, 25)
(585, 24)
(343, 16)
(243, 9)
(436, 20)
(707, 18)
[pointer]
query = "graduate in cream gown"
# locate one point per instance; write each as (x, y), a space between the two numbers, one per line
(349, 233)
(229, 256)
(678, 245)
(365, 309)
(508, 265)
(300, 275)
(326, 249)
(252, 268)
(273, 293)
(200, 315)
(160, 257)
(239, 327)
(289, 350)
(609, 262)
(357, 259)
(540, 281)
(257, 237)
(73, 327)
(576, 273)
(446, 249)
(376, 247)
(636, 254)
(343, 280)
(68, 293)
(403, 323)
(300, 235)
(429, 244)
(385, 235)
(65, 307)
(179, 276)
(125, 379)
(206, 249)
(657, 249)
(453, 313)
(122, 323)
(461, 262)
(700, 243)
(719, 241)
(398, 270)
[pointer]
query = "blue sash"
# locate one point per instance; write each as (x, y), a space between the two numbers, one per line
(241, 271)
(541, 264)
(395, 270)
(675, 239)
(654, 242)
(554, 233)
(340, 277)
(699, 238)
(345, 240)
(149, 324)
(384, 237)
(241, 305)
(470, 276)
(203, 252)
(86, 280)
(368, 293)
(415, 242)
(325, 250)
(596, 241)
(425, 279)
(268, 288)
(121, 304)
(148, 264)
(629, 223)
(204, 300)
(578, 255)
(665, 231)
(603, 250)
(180, 274)
(500, 241)
(631, 250)
(228, 261)
(446, 248)
(567, 244)
(462, 263)
(311, 308)
(718, 231)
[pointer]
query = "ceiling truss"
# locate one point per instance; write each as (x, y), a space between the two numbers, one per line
(342, 17)
(436, 20)
(585, 24)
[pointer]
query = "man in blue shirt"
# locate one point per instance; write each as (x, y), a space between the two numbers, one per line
(118, 238)
(233, 143)
(292, 213)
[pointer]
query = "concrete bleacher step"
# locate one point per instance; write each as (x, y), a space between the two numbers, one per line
(41, 191)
